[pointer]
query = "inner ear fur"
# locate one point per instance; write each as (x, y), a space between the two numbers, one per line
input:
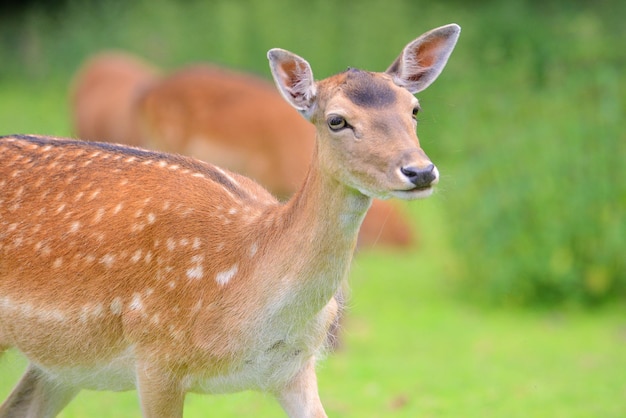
(423, 59)
(294, 78)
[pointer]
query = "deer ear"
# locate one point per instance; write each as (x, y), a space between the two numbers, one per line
(422, 60)
(294, 79)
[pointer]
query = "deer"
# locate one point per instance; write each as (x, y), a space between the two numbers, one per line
(123, 268)
(233, 119)
(104, 96)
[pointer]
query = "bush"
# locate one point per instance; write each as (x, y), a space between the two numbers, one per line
(537, 210)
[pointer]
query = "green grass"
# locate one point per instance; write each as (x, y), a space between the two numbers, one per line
(527, 81)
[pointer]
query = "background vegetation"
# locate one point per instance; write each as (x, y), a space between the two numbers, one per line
(526, 125)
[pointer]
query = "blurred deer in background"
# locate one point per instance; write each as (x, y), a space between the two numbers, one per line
(124, 268)
(105, 97)
(231, 119)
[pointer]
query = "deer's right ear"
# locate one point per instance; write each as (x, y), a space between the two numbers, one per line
(294, 79)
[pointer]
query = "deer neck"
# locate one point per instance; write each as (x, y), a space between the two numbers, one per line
(320, 224)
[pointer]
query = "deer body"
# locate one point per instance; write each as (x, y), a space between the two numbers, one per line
(123, 268)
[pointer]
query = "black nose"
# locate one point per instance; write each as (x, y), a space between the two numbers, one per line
(420, 177)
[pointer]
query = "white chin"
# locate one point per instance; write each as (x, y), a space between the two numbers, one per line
(412, 194)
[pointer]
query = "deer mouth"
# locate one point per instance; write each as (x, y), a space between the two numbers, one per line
(418, 192)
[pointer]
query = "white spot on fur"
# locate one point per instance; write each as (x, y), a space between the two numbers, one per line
(196, 308)
(137, 227)
(116, 306)
(186, 212)
(224, 277)
(108, 260)
(74, 227)
(171, 244)
(136, 256)
(136, 304)
(98, 216)
(94, 194)
(88, 311)
(197, 242)
(97, 310)
(151, 218)
(57, 263)
(253, 249)
(117, 208)
(196, 272)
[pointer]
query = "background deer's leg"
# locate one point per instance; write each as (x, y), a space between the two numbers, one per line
(37, 396)
(300, 398)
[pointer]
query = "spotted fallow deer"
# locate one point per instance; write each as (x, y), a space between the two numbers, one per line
(123, 268)
(235, 120)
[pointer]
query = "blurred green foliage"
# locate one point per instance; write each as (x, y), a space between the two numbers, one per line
(537, 210)
(526, 123)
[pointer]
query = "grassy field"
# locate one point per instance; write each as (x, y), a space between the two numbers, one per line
(527, 82)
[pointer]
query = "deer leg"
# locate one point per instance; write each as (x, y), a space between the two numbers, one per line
(299, 398)
(160, 394)
(37, 396)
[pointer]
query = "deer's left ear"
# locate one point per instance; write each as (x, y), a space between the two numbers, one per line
(422, 60)
(294, 79)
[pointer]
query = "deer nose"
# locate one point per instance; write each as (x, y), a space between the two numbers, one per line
(420, 177)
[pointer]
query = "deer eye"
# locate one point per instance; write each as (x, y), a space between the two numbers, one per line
(415, 112)
(336, 123)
